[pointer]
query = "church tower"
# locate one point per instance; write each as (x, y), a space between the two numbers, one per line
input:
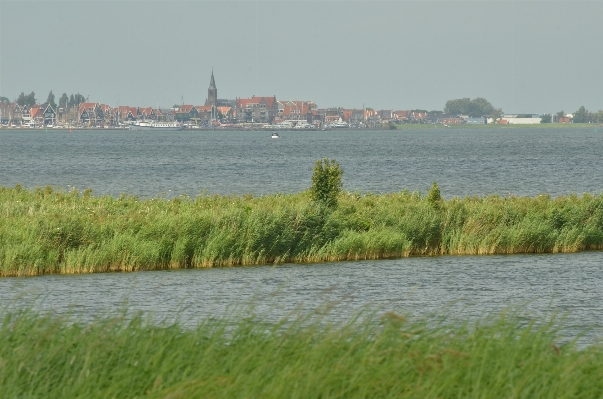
(212, 92)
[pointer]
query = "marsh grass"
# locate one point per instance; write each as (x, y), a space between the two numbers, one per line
(304, 357)
(52, 231)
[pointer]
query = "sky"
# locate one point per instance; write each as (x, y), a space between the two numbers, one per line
(522, 56)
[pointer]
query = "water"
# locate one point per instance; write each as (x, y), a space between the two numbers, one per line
(460, 286)
(464, 162)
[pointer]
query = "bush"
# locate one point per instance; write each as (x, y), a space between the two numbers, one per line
(433, 195)
(326, 182)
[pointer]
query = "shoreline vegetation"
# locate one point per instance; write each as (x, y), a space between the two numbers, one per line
(52, 356)
(52, 231)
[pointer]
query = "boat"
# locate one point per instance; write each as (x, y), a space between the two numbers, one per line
(275, 135)
(156, 126)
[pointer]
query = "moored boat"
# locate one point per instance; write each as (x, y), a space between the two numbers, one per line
(156, 126)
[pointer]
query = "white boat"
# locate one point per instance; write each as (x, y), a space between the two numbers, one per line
(156, 126)
(275, 135)
(340, 124)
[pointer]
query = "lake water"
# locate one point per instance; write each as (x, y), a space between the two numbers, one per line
(464, 162)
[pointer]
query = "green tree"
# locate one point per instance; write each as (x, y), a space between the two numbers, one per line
(581, 116)
(63, 100)
(50, 100)
(30, 99)
(561, 114)
(4, 100)
(326, 182)
(464, 106)
(433, 195)
(457, 107)
(496, 114)
(546, 118)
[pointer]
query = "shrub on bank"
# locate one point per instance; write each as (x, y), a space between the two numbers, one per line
(52, 231)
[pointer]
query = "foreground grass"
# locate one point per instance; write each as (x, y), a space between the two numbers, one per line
(47, 231)
(54, 357)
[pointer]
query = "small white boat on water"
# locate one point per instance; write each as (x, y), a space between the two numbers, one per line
(156, 126)
(275, 135)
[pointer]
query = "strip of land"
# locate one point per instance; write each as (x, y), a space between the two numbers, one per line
(46, 231)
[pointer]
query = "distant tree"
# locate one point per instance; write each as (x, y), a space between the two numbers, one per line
(21, 99)
(435, 112)
(546, 118)
(598, 117)
(4, 100)
(464, 106)
(30, 99)
(496, 115)
(71, 101)
(79, 99)
(561, 114)
(457, 107)
(63, 100)
(581, 116)
(50, 100)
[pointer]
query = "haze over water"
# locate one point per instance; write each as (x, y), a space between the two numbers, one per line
(463, 162)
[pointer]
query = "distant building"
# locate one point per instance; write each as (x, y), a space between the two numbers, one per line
(522, 119)
(212, 92)
(256, 109)
(480, 120)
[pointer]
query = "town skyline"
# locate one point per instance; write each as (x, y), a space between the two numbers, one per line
(521, 56)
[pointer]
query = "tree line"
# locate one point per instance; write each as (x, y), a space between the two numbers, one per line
(74, 100)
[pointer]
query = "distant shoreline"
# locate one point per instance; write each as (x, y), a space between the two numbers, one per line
(414, 126)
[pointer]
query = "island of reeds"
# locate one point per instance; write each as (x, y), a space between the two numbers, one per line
(46, 230)
(45, 356)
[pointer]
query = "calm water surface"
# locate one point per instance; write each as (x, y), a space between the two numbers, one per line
(464, 162)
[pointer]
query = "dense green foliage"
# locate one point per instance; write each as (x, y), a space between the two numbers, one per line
(464, 106)
(326, 182)
(306, 357)
(546, 118)
(49, 231)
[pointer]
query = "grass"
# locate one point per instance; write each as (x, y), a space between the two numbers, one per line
(52, 231)
(305, 357)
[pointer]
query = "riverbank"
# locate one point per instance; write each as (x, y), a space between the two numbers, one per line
(48, 231)
(302, 357)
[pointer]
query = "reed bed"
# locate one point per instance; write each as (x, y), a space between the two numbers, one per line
(369, 357)
(46, 230)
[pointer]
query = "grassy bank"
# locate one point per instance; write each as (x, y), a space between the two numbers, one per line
(48, 231)
(52, 357)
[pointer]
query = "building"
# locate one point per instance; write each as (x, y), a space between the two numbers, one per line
(212, 92)
(522, 119)
(256, 109)
(295, 112)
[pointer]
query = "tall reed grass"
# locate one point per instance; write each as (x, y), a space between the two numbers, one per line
(56, 357)
(52, 231)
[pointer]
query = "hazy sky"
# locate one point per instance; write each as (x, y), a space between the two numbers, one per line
(530, 56)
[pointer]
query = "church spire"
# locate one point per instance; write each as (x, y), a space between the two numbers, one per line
(212, 82)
